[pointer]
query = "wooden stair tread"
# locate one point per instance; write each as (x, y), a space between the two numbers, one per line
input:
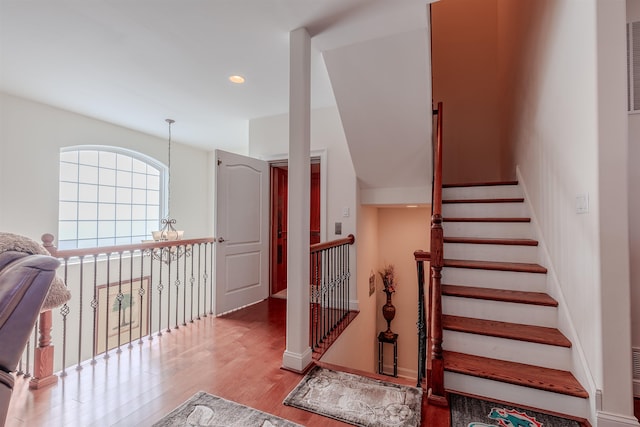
(507, 200)
(514, 331)
(491, 241)
(495, 265)
(504, 295)
(474, 219)
(553, 380)
(480, 184)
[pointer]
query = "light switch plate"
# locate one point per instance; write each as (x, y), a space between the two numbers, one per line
(338, 229)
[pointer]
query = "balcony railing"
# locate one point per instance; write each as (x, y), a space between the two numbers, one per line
(122, 296)
(126, 295)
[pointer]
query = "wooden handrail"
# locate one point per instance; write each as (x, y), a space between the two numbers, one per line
(422, 256)
(47, 242)
(349, 240)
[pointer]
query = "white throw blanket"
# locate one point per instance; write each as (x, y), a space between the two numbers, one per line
(58, 293)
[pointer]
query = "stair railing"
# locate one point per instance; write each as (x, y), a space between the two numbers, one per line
(430, 348)
(329, 292)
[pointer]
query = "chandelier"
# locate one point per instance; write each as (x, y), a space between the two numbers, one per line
(168, 232)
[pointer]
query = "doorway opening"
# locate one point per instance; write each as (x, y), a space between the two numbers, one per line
(279, 206)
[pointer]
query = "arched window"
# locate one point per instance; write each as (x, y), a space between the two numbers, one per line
(108, 196)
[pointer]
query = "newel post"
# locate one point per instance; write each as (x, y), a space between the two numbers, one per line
(43, 359)
(436, 392)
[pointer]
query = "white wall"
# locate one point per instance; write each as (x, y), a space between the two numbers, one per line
(269, 137)
(633, 14)
(565, 59)
(31, 135)
(357, 346)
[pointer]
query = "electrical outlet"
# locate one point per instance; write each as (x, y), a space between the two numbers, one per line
(582, 203)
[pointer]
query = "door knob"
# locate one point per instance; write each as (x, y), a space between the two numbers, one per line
(221, 239)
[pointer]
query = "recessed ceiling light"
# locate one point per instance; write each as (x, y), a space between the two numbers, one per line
(412, 206)
(236, 79)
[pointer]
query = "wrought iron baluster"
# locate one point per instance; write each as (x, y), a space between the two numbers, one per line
(131, 300)
(64, 310)
(80, 312)
(141, 294)
(211, 280)
(94, 306)
(160, 287)
(184, 287)
(119, 298)
(204, 277)
(192, 281)
(169, 295)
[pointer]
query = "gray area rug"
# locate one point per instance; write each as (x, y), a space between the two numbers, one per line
(357, 400)
(472, 412)
(204, 409)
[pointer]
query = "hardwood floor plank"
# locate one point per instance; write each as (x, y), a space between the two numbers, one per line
(553, 380)
(495, 265)
(536, 334)
(491, 241)
(504, 295)
(237, 357)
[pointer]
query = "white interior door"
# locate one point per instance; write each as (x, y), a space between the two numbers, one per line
(242, 230)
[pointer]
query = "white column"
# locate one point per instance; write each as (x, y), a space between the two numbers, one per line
(617, 374)
(297, 355)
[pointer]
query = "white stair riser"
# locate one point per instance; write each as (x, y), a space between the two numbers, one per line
(547, 356)
(484, 210)
(513, 230)
(517, 281)
(518, 395)
(483, 192)
(482, 252)
(525, 314)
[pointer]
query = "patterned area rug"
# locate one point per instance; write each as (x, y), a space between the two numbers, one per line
(357, 400)
(204, 409)
(472, 412)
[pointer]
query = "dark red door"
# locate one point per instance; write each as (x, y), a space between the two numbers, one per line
(279, 180)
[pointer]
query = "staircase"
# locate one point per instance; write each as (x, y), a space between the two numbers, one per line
(500, 326)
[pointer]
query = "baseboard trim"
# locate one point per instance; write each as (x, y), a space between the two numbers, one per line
(297, 362)
(605, 419)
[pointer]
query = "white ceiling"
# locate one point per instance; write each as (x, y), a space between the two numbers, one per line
(135, 63)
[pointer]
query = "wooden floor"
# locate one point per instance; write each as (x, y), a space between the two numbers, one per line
(237, 357)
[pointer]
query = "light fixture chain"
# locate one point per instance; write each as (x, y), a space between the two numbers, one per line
(170, 122)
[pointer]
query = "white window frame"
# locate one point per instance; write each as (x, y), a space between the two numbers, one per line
(76, 230)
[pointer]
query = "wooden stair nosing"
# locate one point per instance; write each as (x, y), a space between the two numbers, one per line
(520, 267)
(491, 241)
(480, 184)
(513, 331)
(502, 295)
(485, 219)
(504, 200)
(553, 380)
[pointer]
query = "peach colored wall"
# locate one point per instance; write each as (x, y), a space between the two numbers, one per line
(385, 236)
(401, 231)
(465, 79)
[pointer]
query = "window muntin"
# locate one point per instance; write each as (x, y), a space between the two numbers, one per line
(108, 196)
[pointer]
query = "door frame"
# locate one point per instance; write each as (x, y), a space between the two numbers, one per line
(320, 155)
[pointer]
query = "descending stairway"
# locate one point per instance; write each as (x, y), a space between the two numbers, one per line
(501, 337)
